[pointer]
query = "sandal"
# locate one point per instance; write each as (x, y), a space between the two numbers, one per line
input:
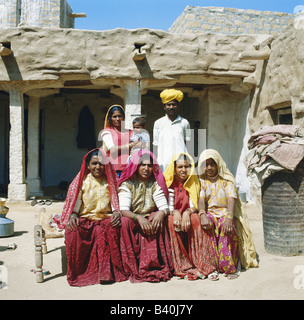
(232, 276)
(33, 202)
(201, 276)
(213, 276)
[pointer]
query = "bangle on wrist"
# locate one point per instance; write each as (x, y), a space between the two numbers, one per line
(229, 215)
(134, 217)
(201, 212)
(189, 210)
(166, 212)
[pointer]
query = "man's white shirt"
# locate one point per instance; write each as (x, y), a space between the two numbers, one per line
(169, 137)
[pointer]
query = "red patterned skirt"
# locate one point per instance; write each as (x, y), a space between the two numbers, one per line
(145, 258)
(192, 252)
(93, 254)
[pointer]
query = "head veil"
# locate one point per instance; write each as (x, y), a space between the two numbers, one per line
(76, 184)
(108, 127)
(247, 249)
(222, 168)
(192, 184)
(131, 168)
(106, 122)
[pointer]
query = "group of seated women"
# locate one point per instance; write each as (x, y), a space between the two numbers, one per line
(150, 226)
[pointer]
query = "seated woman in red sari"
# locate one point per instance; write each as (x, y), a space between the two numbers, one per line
(192, 253)
(223, 217)
(91, 219)
(145, 244)
(116, 138)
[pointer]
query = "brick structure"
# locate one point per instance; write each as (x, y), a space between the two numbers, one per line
(230, 21)
(38, 13)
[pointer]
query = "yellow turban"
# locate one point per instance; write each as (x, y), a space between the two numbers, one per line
(171, 94)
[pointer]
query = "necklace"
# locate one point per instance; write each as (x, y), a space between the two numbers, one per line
(213, 179)
(180, 186)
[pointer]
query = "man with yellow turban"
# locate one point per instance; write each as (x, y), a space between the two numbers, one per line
(171, 132)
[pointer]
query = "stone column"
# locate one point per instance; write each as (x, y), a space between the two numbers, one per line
(132, 101)
(17, 188)
(33, 179)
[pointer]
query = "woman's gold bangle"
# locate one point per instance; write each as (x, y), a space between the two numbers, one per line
(189, 210)
(201, 212)
(229, 215)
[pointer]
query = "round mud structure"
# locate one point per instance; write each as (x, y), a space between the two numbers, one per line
(283, 212)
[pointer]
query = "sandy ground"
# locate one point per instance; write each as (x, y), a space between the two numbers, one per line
(276, 278)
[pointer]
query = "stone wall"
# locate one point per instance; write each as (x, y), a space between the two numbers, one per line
(283, 80)
(40, 13)
(66, 21)
(230, 21)
(8, 13)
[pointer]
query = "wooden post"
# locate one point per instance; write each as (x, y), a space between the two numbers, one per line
(39, 238)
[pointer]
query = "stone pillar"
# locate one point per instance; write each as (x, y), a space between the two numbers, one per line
(17, 188)
(33, 179)
(132, 101)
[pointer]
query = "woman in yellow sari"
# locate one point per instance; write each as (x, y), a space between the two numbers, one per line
(223, 216)
(92, 220)
(192, 253)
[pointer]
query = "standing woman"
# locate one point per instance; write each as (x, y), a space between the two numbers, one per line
(116, 139)
(192, 252)
(91, 219)
(222, 215)
(145, 244)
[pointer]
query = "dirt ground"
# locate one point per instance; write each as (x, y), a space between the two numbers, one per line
(277, 277)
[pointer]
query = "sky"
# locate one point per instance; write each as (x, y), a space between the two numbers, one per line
(159, 14)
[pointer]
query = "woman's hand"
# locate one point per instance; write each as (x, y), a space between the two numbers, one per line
(157, 221)
(145, 225)
(134, 143)
(115, 219)
(186, 222)
(177, 219)
(73, 222)
(227, 226)
(206, 222)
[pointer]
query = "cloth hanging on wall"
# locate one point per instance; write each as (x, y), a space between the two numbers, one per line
(86, 130)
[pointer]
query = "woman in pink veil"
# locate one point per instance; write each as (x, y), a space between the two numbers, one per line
(143, 198)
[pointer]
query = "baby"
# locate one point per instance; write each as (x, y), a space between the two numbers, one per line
(141, 134)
